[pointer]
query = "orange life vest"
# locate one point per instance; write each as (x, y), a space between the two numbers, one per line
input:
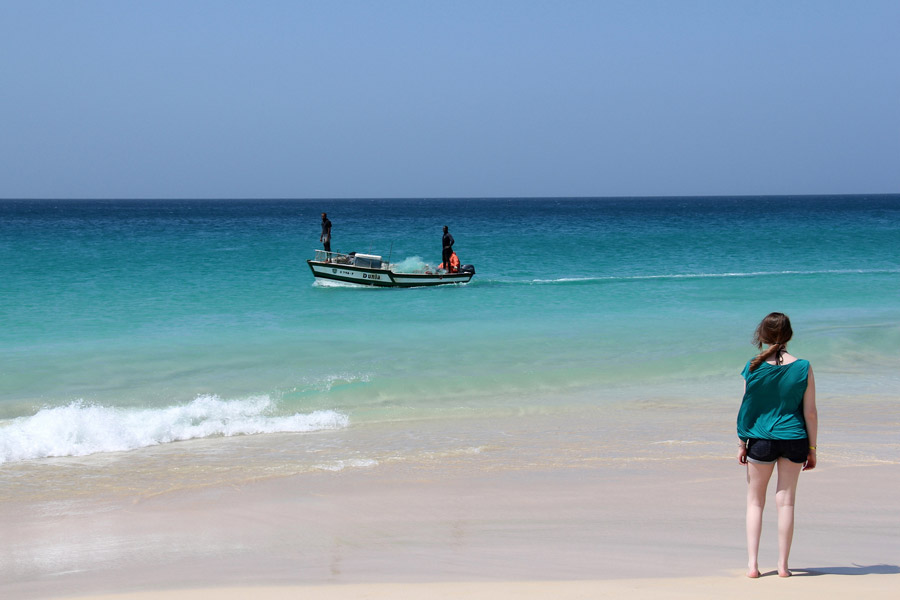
(454, 264)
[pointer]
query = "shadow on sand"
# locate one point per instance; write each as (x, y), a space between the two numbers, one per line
(854, 570)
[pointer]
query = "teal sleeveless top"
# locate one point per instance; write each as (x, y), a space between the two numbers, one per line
(772, 408)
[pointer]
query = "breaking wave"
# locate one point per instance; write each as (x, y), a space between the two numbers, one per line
(79, 428)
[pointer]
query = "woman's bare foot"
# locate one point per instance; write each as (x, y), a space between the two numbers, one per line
(784, 573)
(753, 572)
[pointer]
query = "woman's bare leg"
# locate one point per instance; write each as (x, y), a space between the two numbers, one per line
(757, 482)
(785, 493)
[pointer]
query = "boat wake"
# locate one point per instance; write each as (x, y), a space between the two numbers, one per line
(685, 276)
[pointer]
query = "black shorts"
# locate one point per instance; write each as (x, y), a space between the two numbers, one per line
(768, 451)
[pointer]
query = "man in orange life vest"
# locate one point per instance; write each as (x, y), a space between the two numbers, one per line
(454, 263)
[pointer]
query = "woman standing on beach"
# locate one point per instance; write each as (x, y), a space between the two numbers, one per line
(777, 425)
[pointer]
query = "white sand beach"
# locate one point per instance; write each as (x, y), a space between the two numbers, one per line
(875, 586)
(669, 526)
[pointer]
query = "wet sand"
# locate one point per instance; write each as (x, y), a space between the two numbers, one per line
(650, 526)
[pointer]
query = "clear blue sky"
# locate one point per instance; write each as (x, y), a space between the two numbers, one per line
(381, 98)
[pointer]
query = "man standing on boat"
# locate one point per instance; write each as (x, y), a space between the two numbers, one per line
(325, 238)
(447, 242)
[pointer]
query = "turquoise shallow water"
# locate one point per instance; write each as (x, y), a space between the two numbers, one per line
(135, 323)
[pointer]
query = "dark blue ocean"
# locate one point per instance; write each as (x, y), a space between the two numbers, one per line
(134, 324)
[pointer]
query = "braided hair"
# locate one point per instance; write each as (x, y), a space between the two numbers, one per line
(776, 331)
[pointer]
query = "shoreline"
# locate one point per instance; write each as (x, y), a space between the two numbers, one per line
(649, 526)
(583, 504)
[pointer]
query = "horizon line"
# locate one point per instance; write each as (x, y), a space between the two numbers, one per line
(427, 198)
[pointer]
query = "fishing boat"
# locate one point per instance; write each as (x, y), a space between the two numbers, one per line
(371, 270)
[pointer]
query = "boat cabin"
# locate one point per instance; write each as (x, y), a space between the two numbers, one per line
(367, 261)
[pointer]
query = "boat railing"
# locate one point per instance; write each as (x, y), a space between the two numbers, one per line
(341, 258)
(323, 256)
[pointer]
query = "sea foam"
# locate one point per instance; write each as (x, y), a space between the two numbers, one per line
(79, 428)
(413, 264)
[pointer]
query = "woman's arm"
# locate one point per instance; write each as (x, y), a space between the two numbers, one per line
(742, 452)
(742, 444)
(811, 416)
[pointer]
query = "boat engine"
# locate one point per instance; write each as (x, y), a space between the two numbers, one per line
(467, 269)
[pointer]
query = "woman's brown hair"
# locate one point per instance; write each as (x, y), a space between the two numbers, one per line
(776, 331)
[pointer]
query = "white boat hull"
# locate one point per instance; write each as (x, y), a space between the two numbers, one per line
(382, 277)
